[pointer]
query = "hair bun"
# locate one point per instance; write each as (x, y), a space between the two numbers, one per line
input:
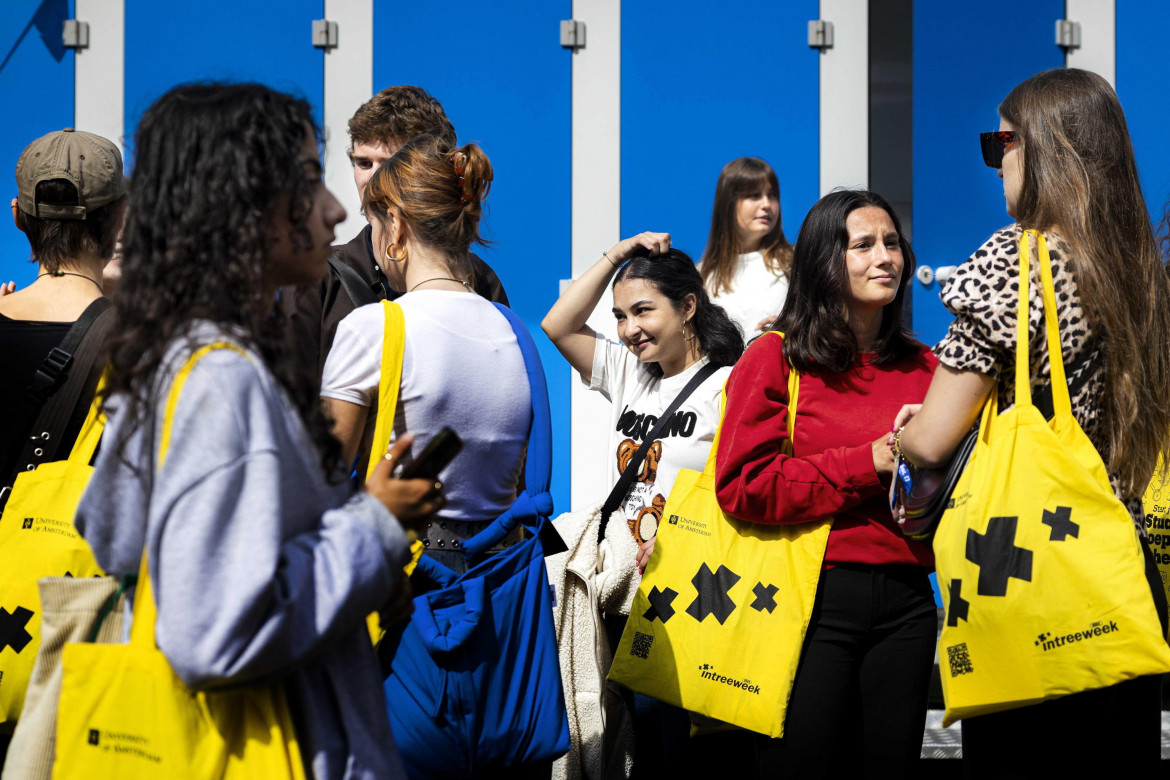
(473, 172)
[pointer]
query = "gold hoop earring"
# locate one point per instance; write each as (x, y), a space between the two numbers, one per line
(390, 255)
(684, 330)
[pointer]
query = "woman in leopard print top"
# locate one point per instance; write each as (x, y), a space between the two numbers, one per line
(1068, 170)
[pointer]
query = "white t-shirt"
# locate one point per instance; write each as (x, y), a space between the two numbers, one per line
(638, 399)
(461, 367)
(756, 293)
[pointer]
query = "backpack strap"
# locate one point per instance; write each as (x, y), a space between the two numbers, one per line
(68, 375)
(534, 505)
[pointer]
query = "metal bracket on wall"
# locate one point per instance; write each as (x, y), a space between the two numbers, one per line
(324, 34)
(1068, 34)
(572, 34)
(75, 34)
(820, 34)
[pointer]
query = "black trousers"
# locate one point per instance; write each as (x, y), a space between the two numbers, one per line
(858, 705)
(1089, 733)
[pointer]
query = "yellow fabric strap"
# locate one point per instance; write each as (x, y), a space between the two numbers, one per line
(790, 421)
(145, 612)
(90, 434)
(393, 348)
(1061, 402)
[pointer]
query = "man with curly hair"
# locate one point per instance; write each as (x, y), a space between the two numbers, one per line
(378, 129)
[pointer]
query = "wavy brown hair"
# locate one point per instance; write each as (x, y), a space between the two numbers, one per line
(439, 192)
(1080, 181)
(397, 114)
(213, 164)
(739, 179)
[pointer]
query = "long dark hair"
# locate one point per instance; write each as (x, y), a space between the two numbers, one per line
(214, 163)
(675, 276)
(817, 337)
(739, 179)
(1080, 179)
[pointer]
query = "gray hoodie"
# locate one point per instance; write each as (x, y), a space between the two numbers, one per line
(261, 569)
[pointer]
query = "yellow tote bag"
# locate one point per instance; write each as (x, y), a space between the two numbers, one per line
(1156, 505)
(720, 615)
(1039, 565)
(125, 714)
(38, 539)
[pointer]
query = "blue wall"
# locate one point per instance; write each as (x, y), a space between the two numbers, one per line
(967, 57)
(220, 39)
(700, 89)
(36, 89)
(505, 82)
(1143, 60)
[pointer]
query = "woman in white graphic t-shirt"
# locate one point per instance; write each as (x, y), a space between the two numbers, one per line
(669, 330)
(746, 262)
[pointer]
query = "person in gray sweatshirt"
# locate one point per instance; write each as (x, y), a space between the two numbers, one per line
(264, 566)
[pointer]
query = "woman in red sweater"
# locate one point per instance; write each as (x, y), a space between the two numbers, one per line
(866, 663)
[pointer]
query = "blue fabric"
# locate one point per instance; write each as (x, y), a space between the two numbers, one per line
(475, 684)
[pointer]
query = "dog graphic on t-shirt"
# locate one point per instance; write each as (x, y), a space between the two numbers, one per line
(642, 516)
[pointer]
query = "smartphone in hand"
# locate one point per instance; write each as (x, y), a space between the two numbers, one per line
(435, 457)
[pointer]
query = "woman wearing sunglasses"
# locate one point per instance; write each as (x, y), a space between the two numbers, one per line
(1064, 154)
(865, 666)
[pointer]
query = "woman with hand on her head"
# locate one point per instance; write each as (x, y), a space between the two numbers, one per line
(462, 366)
(1068, 169)
(870, 643)
(669, 330)
(262, 564)
(747, 261)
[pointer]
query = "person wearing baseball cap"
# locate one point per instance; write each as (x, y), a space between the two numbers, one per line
(70, 203)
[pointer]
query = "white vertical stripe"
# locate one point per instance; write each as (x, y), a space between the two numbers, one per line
(1098, 50)
(349, 82)
(596, 216)
(99, 70)
(845, 96)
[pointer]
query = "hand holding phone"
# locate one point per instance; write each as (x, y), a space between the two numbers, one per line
(435, 457)
(412, 501)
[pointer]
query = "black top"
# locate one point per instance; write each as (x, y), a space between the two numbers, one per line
(24, 344)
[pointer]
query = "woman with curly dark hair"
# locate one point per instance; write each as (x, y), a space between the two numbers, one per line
(262, 564)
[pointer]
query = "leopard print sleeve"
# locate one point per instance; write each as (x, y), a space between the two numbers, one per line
(982, 294)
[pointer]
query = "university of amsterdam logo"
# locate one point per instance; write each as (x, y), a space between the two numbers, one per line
(674, 519)
(28, 521)
(94, 736)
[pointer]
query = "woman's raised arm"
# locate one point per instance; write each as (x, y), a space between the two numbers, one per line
(566, 323)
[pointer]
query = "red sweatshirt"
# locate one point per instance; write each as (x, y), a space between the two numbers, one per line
(831, 472)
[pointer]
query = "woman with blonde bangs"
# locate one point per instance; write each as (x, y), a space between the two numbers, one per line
(462, 366)
(747, 261)
(1067, 164)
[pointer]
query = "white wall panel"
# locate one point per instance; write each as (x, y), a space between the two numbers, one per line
(596, 215)
(349, 82)
(98, 100)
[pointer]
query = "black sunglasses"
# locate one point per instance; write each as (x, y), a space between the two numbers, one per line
(995, 145)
